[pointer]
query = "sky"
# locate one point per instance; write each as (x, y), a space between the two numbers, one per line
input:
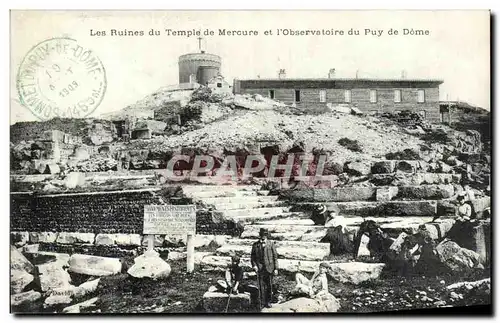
(456, 50)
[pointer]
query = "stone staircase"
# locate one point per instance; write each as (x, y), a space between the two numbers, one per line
(397, 199)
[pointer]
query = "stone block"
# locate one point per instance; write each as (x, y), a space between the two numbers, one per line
(215, 302)
(75, 237)
(94, 265)
(344, 194)
(19, 279)
(118, 239)
(80, 306)
(328, 304)
(46, 237)
(52, 275)
(19, 239)
(19, 262)
(426, 192)
(24, 298)
(385, 194)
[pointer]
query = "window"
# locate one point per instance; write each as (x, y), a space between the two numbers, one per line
(373, 96)
(422, 113)
(347, 96)
(271, 94)
(397, 96)
(322, 96)
(219, 84)
(297, 95)
(420, 96)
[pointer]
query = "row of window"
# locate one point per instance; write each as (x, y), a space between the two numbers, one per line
(347, 96)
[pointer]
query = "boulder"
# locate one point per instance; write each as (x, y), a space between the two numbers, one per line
(358, 168)
(19, 238)
(52, 275)
(306, 305)
(19, 279)
(24, 298)
(456, 258)
(94, 265)
(75, 237)
(355, 272)
(383, 167)
(47, 237)
(149, 265)
(216, 302)
(73, 309)
(19, 262)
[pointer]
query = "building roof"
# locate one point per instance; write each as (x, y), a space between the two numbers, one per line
(345, 79)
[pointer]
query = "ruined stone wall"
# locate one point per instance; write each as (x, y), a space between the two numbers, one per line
(117, 212)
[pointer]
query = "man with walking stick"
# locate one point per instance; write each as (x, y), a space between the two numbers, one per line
(264, 261)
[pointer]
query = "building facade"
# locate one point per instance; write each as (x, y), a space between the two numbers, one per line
(371, 96)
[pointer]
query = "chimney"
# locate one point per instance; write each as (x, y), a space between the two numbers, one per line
(282, 74)
(403, 74)
(331, 73)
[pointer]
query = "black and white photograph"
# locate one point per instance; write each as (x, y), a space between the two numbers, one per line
(250, 162)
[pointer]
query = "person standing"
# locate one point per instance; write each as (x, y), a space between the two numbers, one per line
(264, 259)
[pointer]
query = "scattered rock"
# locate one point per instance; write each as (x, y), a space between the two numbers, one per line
(118, 239)
(355, 272)
(19, 262)
(75, 237)
(149, 265)
(47, 237)
(94, 265)
(86, 288)
(358, 168)
(306, 305)
(19, 279)
(83, 305)
(19, 239)
(52, 275)
(457, 258)
(24, 298)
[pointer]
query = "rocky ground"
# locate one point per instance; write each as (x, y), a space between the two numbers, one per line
(183, 293)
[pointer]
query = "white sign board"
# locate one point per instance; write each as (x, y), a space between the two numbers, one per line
(170, 219)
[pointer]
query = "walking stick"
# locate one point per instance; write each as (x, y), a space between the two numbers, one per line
(228, 300)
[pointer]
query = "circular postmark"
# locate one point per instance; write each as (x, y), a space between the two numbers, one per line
(60, 78)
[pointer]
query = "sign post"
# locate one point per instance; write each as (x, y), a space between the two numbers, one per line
(171, 220)
(190, 253)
